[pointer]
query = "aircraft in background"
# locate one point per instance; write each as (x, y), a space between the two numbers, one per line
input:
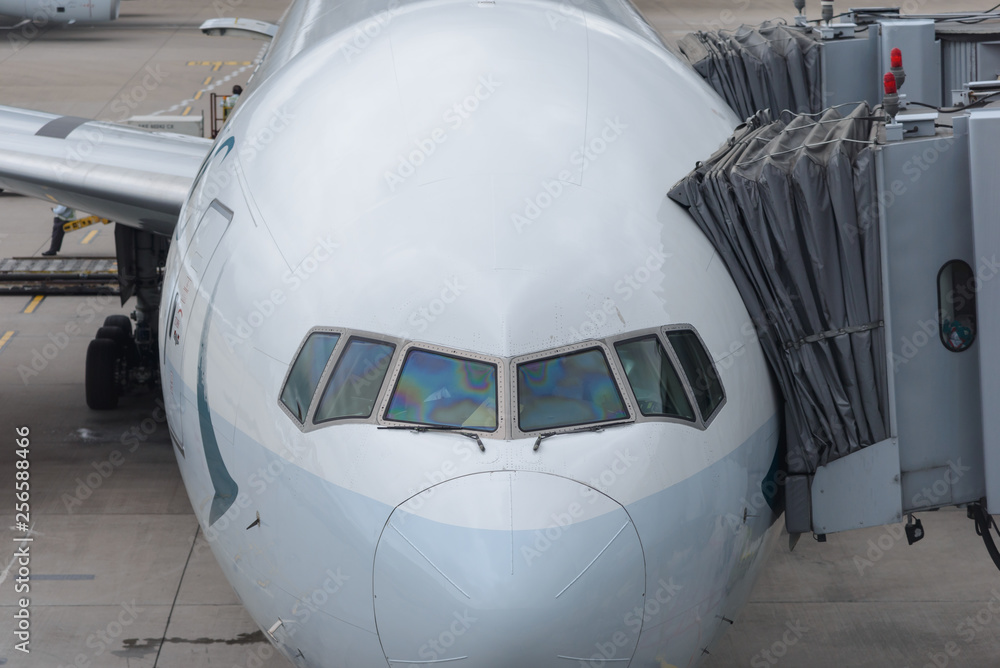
(448, 377)
(61, 11)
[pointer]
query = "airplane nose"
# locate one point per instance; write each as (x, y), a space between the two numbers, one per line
(509, 568)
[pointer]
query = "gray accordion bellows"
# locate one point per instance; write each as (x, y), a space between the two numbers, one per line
(790, 206)
(774, 67)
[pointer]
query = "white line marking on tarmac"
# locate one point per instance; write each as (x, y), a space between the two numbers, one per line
(216, 83)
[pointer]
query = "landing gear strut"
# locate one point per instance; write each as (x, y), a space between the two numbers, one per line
(119, 358)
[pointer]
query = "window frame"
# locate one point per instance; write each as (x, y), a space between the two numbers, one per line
(660, 335)
(941, 309)
(507, 399)
(327, 376)
(346, 334)
(389, 388)
(706, 420)
(291, 365)
(616, 372)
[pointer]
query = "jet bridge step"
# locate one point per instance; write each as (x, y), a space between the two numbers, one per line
(59, 276)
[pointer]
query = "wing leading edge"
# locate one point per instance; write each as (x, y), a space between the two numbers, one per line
(134, 177)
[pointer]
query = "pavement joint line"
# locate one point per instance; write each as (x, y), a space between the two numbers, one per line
(177, 593)
(33, 304)
(90, 236)
(5, 338)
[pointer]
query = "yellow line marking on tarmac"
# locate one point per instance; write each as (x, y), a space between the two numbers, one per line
(198, 95)
(5, 338)
(186, 111)
(217, 66)
(90, 236)
(208, 80)
(33, 304)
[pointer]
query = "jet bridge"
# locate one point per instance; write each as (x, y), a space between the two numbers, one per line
(866, 245)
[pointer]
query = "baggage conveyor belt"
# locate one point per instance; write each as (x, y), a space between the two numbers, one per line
(59, 276)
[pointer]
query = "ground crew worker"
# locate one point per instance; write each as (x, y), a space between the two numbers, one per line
(63, 215)
(230, 101)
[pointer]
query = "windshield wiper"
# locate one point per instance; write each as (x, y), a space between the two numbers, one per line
(594, 428)
(419, 428)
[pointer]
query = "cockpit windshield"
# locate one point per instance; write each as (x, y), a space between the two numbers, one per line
(446, 391)
(356, 381)
(662, 374)
(566, 391)
(307, 371)
(657, 388)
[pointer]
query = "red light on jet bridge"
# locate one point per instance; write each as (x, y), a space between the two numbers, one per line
(889, 81)
(896, 58)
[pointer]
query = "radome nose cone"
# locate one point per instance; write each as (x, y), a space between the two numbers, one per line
(509, 568)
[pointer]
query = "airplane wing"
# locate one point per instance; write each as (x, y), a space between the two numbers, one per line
(134, 177)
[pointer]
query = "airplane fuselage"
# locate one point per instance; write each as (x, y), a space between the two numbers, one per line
(484, 184)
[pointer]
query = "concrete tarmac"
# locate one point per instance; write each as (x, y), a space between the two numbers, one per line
(119, 574)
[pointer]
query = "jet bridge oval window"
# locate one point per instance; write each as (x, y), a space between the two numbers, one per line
(354, 386)
(658, 390)
(441, 390)
(957, 305)
(306, 372)
(700, 371)
(568, 390)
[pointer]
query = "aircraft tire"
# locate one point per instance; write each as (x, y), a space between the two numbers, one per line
(121, 321)
(123, 337)
(101, 385)
(116, 334)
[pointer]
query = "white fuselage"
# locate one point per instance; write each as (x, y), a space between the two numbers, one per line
(490, 179)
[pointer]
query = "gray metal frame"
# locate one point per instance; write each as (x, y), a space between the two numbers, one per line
(616, 372)
(397, 369)
(507, 424)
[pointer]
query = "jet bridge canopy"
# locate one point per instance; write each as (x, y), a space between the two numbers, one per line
(790, 206)
(866, 254)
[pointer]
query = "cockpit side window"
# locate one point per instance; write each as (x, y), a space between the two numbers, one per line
(700, 371)
(354, 386)
(443, 390)
(568, 390)
(307, 371)
(658, 389)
